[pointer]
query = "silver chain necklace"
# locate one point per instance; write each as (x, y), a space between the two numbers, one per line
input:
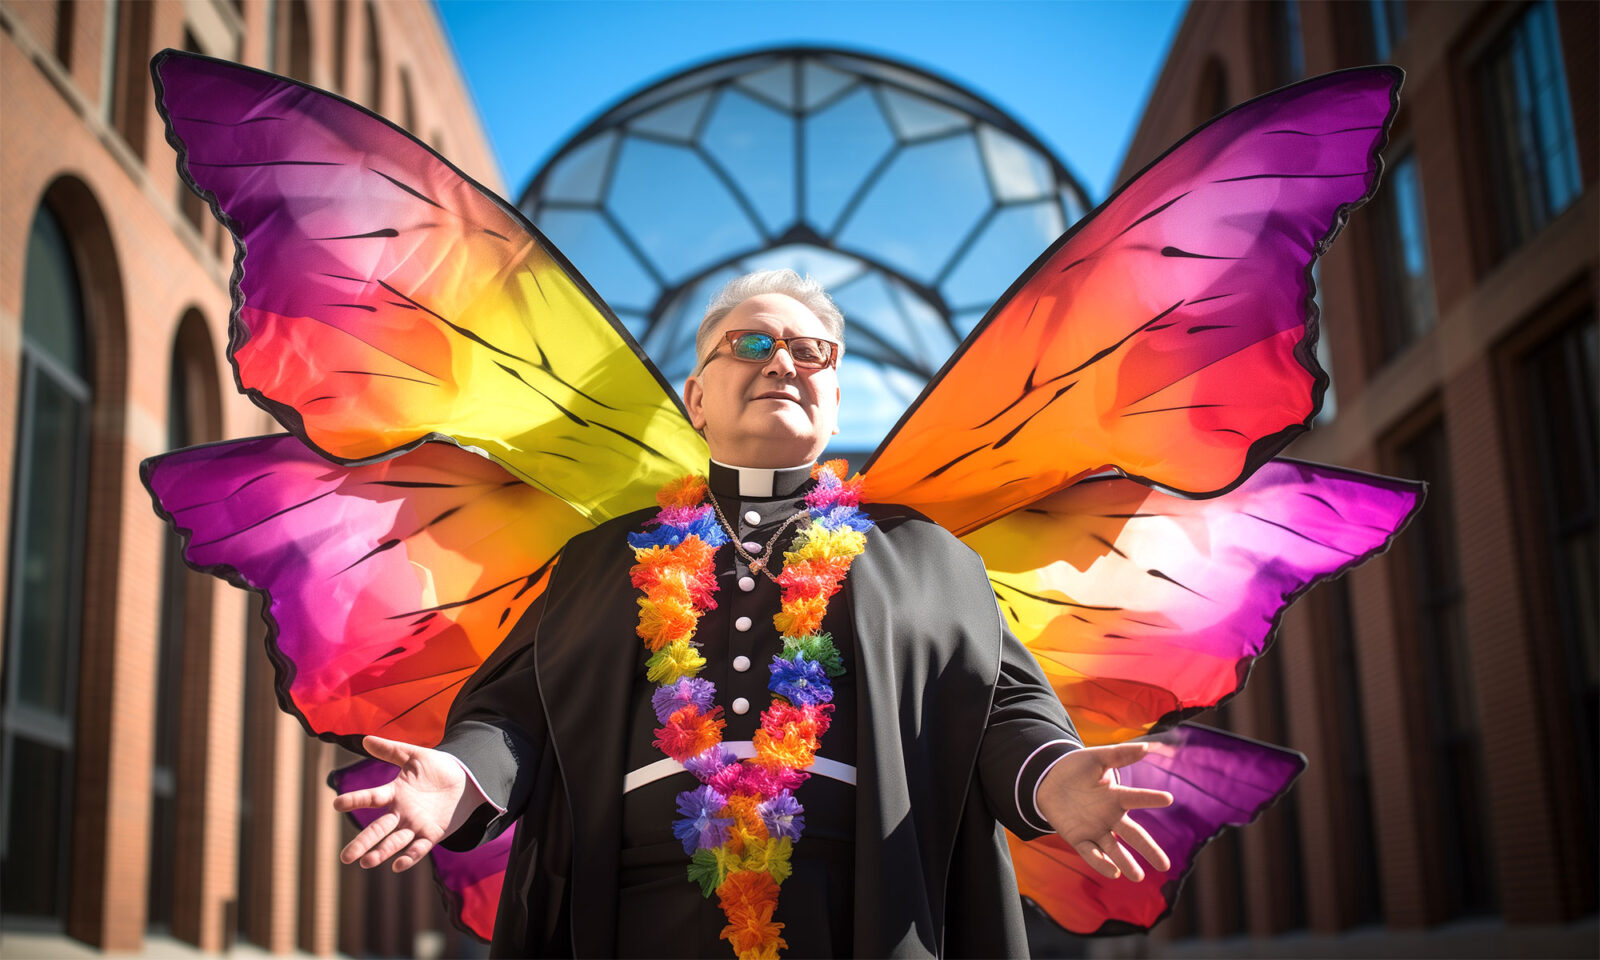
(758, 564)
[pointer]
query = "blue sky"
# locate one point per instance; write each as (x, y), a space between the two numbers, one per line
(1075, 73)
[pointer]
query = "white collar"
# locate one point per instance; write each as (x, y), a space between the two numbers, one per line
(757, 481)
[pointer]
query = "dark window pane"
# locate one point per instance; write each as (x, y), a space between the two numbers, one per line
(1532, 152)
(36, 802)
(1450, 704)
(299, 60)
(51, 303)
(163, 837)
(341, 39)
(1388, 26)
(176, 584)
(1408, 306)
(408, 102)
(1288, 47)
(45, 572)
(130, 72)
(1356, 785)
(1560, 380)
(373, 60)
(46, 578)
(66, 23)
(1283, 821)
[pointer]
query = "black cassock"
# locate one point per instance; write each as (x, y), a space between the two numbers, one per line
(946, 718)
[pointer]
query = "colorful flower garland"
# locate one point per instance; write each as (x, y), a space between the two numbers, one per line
(739, 826)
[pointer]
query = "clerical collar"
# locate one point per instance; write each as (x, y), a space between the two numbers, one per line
(756, 482)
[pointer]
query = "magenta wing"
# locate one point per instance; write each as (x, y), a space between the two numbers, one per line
(1145, 608)
(384, 298)
(386, 584)
(1216, 779)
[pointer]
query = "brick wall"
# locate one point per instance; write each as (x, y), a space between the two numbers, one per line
(111, 179)
(1451, 373)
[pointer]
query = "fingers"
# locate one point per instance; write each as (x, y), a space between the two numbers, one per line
(366, 839)
(1121, 754)
(1119, 855)
(1138, 798)
(1140, 840)
(391, 845)
(1091, 853)
(389, 751)
(413, 854)
(379, 796)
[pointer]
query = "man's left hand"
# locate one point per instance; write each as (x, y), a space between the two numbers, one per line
(1083, 801)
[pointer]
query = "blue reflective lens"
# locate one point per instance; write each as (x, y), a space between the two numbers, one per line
(753, 346)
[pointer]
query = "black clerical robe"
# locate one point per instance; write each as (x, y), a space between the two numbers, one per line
(953, 725)
(737, 638)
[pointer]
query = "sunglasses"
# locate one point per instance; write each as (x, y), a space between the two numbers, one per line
(754, 346)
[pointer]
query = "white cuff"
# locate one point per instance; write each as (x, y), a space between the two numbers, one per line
(1030, 814)
(475, 784)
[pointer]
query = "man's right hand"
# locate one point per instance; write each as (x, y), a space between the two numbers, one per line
(429, 799)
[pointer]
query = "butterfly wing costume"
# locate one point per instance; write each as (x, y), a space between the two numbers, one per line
(459, 403)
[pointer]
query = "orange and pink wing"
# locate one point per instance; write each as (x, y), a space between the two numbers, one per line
(383, 298)
(1170, 336)
(385, 584)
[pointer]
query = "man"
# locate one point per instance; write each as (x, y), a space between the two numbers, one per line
(944, 726)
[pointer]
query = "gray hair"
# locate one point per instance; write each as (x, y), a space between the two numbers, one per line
(804, 289)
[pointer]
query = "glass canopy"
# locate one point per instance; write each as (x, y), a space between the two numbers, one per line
(915, 202)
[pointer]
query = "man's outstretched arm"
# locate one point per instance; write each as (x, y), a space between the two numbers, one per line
(1032, 751)
(428, 800)
(1085, 804)
(475, 782)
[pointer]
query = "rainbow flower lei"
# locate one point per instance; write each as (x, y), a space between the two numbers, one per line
(739, 826)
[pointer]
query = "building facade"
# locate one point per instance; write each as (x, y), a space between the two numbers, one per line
(152, 789)
(1445, 693)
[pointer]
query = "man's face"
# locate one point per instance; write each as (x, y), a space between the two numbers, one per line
(770, 414)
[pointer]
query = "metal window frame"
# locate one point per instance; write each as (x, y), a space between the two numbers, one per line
(864, 70)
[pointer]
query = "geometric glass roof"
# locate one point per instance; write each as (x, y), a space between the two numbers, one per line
(914, 201)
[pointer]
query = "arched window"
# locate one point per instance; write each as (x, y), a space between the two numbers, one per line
(46, 571)
(185, 632)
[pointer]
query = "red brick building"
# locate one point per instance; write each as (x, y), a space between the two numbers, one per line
(1445, 693)
(151, 785)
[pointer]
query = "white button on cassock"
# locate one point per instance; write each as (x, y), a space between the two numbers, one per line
(741, 663)
(751, 517)
(741, 706)
(747, 584)
(742, 624)
(752, 548)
